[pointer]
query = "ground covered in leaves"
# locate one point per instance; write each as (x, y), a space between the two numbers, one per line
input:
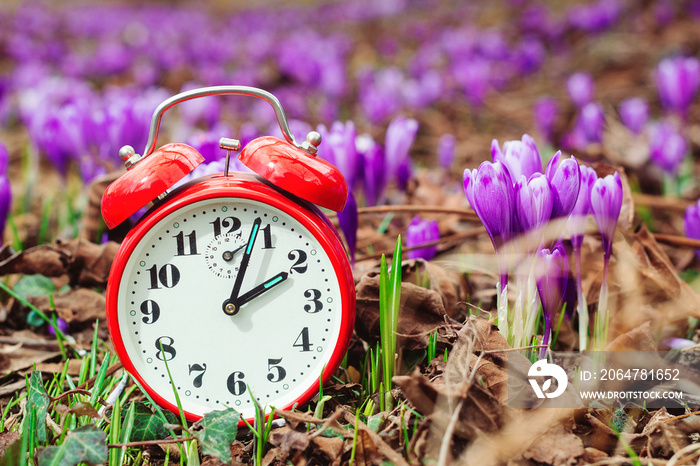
(450, 408)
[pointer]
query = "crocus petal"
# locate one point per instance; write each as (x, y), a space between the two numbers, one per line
(420, 232)
(580, 88)
(691, 223)
(565, 179)
(493, 199)
(348, 220)
(576, 223)
(606, 203)
(519, 157)
(468, 182)
(533, 202)
(553, 268)
(634, 113)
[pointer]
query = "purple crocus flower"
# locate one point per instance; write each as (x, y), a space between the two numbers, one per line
(580, 87)
(576, 223)
(590, 122)
(606, 203)
(519, 157)
(667, 147)
(374, 172)
(553, 268)
(533, 202)
(564, 177)
(61, 324)
(399, 138)
(348, 220)
(489, 190)
(634, 113)
(677, 80)
(545, 112)
(419, 232)
(5, 191)
(338, 148)
(446, 150)
(691, 223)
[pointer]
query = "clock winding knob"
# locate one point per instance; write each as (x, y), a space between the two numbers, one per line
(313, 140)
(129, 156)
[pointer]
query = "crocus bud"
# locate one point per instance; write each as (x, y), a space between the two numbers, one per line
(399, 138)
(606, 203)
(519, 157)
(374, 170)
(446, 150)
(667, 147)
(468, 181)
(61, 324)
(552, 279)
(580, 88)
(348, 221)
(533, 202)
(493, 201)
(677, 80)
(590, 122)
(576, 223)
(338, 147)
(691, 223)
(420, 232)
(634, 113)
(564, 178)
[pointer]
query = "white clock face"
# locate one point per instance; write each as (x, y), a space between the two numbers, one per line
(238, 298)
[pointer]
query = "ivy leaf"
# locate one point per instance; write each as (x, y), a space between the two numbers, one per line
(34, 285)
(85, 444)
(38, 399)
(219, 429)
(149, 426)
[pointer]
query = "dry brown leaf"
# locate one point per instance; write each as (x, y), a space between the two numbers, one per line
(637, 339)
(78, 305)
(667, 434)
(558, 447)
(421, 310)
(85, 263)
(366, 451)
(289, 440)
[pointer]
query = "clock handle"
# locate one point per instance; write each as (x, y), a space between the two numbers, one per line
(219, 90)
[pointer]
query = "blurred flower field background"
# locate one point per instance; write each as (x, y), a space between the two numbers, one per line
(538, 160)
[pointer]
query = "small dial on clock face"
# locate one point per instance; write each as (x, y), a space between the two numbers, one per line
(223, 254)
(279, 285)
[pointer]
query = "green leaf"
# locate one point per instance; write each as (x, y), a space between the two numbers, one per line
(34, 285)
(84, 444)
(219, 429)
(147, 425)
(38, 399)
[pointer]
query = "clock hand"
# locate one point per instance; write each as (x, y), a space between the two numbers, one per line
(228, 255)
(260, 289)
(229, 305)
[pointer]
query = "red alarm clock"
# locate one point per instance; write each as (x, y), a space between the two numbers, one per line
(237, 281)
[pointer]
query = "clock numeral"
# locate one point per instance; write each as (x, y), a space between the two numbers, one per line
(315, 297)
(267, 236)
(168, 276)
(280, 372)
(235, 383)
(232, 223)
(191, 244)
(201, 368)
(166, 352)
(300, 257)
(305, 345)
(151, 310)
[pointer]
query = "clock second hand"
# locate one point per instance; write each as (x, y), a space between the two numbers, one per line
(229, 305)
(260, 289)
